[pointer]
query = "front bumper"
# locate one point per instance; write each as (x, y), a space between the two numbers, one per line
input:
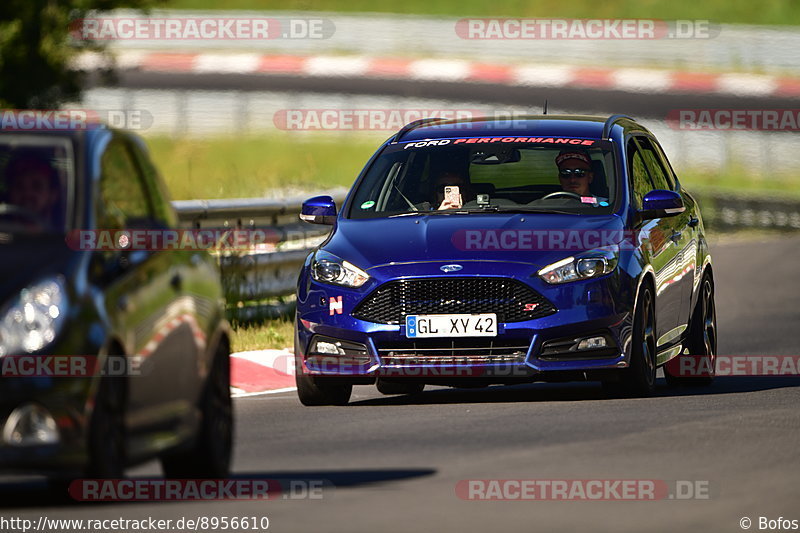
(585, 308)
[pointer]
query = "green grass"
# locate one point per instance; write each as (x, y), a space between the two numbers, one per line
(271, 334)
(783, 12)
(249, 167)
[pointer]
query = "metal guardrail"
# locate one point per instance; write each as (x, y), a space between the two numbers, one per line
(261, 283)
(258, 283)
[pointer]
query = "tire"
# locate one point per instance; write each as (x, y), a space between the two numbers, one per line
(638, 380)
(210, 455)
(701, 342)
(107, 436)
(315, 391)
(392, 387)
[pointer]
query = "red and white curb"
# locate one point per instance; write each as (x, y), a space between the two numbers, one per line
(454, 70)
(262, 372)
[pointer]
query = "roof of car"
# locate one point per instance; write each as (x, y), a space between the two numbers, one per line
(589, 127)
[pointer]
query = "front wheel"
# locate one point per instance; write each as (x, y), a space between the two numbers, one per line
(639, 378)
(314, 391)
(106, 446)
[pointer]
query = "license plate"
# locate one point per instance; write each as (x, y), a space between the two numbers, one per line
(483, 325)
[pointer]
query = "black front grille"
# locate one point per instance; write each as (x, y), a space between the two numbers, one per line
(453, 351)
(511, 300)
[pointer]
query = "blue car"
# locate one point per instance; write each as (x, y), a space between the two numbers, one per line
(488, 251)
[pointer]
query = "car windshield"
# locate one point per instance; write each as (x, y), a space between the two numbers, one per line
(484, 175)
(36, 173)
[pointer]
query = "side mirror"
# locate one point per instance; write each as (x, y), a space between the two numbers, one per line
(319, 210)
(660, 203)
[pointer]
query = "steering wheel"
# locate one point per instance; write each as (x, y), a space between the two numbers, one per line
(22, 212)
(568, 194)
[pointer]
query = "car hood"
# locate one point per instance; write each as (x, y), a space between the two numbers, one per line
(25, 260)
(536, 239)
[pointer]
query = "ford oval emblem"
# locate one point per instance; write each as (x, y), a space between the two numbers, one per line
(450, 268)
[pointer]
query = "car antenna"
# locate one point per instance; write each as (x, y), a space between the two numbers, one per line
(544, 111)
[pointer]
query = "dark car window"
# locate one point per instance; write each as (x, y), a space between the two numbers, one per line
(641, 182)
(122, 190)
(672, 179)
(157, 192)
(661, 179)
(36, 182)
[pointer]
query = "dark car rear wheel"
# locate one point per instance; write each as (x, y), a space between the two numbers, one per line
(210, 455)
(393, 387)
(314, 390)
(640, 377)
(701, 342)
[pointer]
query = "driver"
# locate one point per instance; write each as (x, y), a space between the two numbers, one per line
(575, 175)
(33, 185)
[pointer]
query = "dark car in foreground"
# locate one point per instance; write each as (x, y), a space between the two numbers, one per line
(481, 251)
(111, 355)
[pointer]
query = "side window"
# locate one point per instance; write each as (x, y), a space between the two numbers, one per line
(671, 177)
(637, 171)
(159, 197)
(654, 165)
(122, 193)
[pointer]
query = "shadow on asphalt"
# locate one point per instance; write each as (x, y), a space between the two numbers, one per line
(35, 492)
(576, 391)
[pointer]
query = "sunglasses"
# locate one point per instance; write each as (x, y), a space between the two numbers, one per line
(577, 172)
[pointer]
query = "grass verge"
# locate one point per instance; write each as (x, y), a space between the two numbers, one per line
(278, 333)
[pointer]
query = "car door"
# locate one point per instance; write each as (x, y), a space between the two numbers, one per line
(196, 291)
(687, 239)
(141, 299)
(656, 235)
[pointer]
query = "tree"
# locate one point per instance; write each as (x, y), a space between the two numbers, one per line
(36, 52)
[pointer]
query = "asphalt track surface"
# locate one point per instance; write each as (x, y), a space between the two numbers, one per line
(644, 104)
(392, 463)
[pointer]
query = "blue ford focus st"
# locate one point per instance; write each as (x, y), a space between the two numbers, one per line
(483, 251)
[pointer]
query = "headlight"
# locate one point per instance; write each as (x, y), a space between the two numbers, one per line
(328, 268)
(34, 319)
(588, 265)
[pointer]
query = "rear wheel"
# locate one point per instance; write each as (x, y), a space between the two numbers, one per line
(640, 377)
(314, 391)
(392, 387)
(701, 343)
(210, 455)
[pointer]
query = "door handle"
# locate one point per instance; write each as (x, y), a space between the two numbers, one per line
(676, 236)
(694, 221)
